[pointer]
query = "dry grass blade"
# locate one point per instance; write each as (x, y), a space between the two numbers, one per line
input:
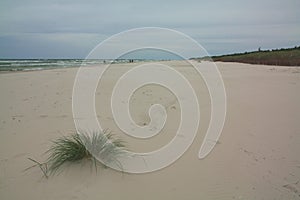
(42, 166)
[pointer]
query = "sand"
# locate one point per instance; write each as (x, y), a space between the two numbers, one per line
(257, 156)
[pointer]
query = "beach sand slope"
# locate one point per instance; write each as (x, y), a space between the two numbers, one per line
(257, 156)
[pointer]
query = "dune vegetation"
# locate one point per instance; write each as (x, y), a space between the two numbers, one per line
(280, 57)
(80, 146)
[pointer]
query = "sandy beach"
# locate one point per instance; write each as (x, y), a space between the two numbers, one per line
(257, 156)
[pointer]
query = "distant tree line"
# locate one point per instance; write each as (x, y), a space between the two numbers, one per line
(282, 56)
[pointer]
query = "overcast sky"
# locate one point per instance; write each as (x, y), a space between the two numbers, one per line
(72, 28)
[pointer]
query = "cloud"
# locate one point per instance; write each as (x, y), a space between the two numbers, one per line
(77, 26)
(45, 45)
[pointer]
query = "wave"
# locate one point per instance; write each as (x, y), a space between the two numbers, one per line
(41, 64)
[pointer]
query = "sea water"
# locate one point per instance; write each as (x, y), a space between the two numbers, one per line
(40, 64)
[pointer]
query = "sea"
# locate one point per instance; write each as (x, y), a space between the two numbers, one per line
(7, 65)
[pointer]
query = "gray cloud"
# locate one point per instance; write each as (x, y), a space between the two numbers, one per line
(58, 28)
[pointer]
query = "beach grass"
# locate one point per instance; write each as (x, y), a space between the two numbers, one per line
(94, 145)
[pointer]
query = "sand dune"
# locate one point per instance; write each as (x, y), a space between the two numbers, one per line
(257, 156)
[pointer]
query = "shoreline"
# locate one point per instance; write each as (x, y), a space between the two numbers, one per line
(216, 62)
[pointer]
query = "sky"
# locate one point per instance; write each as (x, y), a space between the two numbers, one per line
(72, 28)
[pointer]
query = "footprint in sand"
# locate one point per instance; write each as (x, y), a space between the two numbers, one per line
(14, 117)
(293, 188)
(173, 107)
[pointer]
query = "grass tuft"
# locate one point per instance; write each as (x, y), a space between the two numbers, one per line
(84, 145)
